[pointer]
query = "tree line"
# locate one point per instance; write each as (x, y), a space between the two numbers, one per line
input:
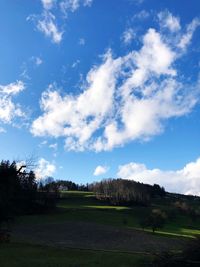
(20, 193)
(121, 191)
(65, 185)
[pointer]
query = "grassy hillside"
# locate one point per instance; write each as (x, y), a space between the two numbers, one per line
(84, 231)
(83, 206)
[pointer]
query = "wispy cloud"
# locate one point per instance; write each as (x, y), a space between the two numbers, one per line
(185, 180)
(47, 25)
(143, 14)
(2, 130)
(47, 22)
(75, 63)
(38, 61)
(73, 5)
(53, 146)
(43, 143)
(81, 41)
(187, 37)
(128, 35)
(48, 4)
(167, 20)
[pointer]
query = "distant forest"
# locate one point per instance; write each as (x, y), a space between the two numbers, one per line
(21, 193)
(121, 191)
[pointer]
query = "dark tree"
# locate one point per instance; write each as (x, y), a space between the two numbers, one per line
(155, 220)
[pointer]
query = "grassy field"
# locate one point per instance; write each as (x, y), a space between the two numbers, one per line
(82, 211)
(82, 206)
(23, 255)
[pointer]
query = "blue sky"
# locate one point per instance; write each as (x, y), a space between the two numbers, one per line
(97, 88)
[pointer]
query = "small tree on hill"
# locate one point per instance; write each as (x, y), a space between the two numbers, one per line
(155, 220)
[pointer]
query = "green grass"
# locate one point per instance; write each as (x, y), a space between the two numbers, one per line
(26, 255)
(83, 206)
(84, 200)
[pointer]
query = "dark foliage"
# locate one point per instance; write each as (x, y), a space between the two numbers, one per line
(155, 220)
(19, 193)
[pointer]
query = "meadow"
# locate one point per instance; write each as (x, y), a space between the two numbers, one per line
(83, 206)
(84, 231)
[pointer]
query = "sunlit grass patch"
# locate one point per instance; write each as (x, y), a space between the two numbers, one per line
(190, 231)
(108, 207)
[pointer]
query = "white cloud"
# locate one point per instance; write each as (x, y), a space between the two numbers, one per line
(87, 2)
(73, 5)
(47, 25)
(47, 22)
(187, 37)
(186, 180)
(128, 36)
(38, 61)
(43, 143)
(143, 14)
(167, 20)
(2, 130)
(12, 88)
(75, 63)
(126, 98)
(100, 170)
(20, 164)
(44, 169)
(8, 109)
(80, 116)
(48, 4)
(53, 146)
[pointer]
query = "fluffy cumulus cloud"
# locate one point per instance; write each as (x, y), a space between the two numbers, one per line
(185, 180)
(44, 169)
(125, 98)
(9, 110)
(100, 170)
